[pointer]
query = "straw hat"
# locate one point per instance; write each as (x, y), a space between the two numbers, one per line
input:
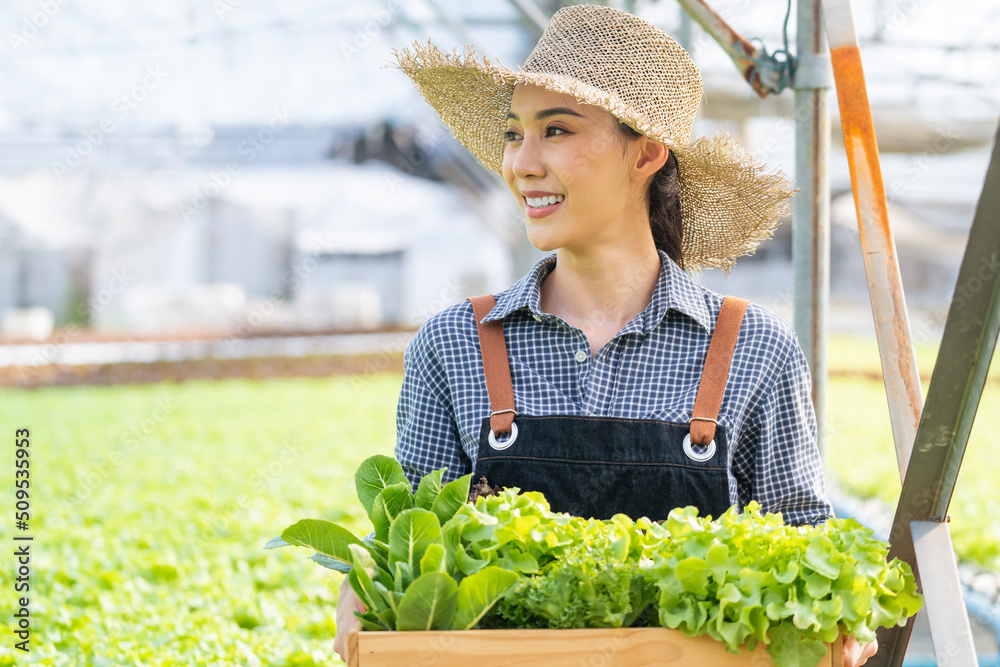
(632, 69)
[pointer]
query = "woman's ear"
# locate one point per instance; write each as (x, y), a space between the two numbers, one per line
(651, 157)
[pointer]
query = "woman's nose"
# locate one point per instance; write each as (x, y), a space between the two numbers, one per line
(527, 159)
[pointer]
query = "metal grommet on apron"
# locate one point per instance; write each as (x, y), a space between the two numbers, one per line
(695, 456)
(494, 443)
(601, 466)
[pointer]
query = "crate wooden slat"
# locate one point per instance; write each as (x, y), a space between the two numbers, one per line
(617, 647)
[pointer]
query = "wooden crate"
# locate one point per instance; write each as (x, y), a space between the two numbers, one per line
(622, 647)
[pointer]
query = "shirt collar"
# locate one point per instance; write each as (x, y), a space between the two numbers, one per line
(674, 290)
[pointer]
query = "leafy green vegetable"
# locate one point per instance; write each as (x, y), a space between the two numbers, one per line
(504, 559)
(330, 541)
(375, 474)
(478, 593)
(583, 589)
(428, 490)
(748, 577)
(433, 559)
(451, 497)
(388, 504)
(413, 531)
(362, 573)
(794, 649)
(429, 603)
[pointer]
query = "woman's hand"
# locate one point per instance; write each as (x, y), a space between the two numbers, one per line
(855, 654)
(347, 604)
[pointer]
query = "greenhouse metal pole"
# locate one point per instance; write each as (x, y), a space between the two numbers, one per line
(811, 77)
(919, 531)
(811, 206)
(885, 287)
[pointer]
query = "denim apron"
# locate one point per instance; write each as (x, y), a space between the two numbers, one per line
(601, 466)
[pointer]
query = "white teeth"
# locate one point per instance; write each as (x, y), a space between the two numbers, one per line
(539, 202)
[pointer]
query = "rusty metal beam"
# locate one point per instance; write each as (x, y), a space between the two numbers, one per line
(892, 324)
(744, 55)
(892, 328)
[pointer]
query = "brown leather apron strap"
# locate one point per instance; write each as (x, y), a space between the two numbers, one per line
(496, 365)
(705, 414)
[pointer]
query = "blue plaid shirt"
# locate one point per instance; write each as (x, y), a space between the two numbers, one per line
(651, 369)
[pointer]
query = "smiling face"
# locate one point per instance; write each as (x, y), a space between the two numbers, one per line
(578, 182)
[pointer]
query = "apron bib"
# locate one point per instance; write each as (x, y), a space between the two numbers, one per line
(601, 466)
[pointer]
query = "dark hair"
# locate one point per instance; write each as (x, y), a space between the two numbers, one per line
(664, 202)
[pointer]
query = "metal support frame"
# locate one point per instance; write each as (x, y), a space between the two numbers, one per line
(932, 546)
(811, 206)
(967, 346)
(929, 473)
(885, 287)
(761, 70)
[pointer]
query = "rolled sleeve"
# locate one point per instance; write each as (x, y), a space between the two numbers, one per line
(781, 436)
(426, 434)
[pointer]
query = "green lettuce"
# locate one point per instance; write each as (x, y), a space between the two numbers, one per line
(415, 571)
(747, 577)
(457, 557)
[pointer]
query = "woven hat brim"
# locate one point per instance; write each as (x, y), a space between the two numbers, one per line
(729, 200)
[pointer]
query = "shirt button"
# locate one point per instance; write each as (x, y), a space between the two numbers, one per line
(582, 356)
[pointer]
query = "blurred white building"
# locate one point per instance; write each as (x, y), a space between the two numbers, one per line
(327, 246)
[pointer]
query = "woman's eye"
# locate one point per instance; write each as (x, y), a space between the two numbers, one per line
(511, 135)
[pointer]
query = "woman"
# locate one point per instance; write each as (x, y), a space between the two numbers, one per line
(606, 378)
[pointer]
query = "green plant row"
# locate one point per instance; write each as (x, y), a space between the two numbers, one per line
(455, 557)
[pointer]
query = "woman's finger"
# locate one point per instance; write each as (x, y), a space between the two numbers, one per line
(347, 604)
(855, 654)
(869, 650)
